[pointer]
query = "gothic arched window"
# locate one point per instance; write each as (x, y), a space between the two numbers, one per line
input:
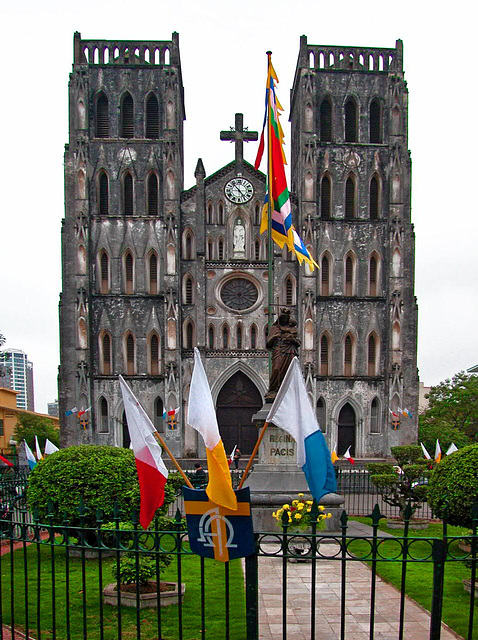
(128, 273)
(130, 353)
(189, 337)
(153, 273)
(154, 354)
(375, 416)
(153, 200)
(350, 121)
(373, 275)
(102, 118)
(103, 426)
(225, 337)
(289, 292)
(127, 116)
(105, 354)
(372, 356)
(349, 275)
(325, 276)
(220, 250)
(239, 336)
(350, 204)
(103, 194)
(104, 272)
(325, 198)
(188, 290)
(253, 337)
(348, 355)
(128, 198)
(152, 117)
(210, 336)
(326, 120)
(221, 213)
(324, 355)
(374, 198)
(375, 125)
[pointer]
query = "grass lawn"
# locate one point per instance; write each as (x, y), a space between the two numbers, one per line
(456, 601)
(149, 629)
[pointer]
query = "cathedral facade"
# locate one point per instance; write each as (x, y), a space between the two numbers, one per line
(151, 270)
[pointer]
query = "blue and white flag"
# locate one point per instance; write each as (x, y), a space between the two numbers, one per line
(30, 457)
(292, 412)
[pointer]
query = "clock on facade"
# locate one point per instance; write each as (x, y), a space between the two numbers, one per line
(239, 190)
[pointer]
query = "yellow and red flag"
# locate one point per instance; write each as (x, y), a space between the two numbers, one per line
(202, 417)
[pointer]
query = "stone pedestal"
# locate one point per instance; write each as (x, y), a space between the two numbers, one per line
(276, 479)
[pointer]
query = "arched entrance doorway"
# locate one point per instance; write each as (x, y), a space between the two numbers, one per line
(238, 401)
(346, 430)
(126, 438)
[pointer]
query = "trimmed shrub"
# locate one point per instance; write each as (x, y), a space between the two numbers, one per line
(398, 484)
(453, 485)
(98, 475)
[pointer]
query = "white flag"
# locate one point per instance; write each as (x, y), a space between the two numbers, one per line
(425, 452)
(50, 447)
(451, 449)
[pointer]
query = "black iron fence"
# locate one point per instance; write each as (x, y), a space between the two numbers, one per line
(65, 581)
(361, 494)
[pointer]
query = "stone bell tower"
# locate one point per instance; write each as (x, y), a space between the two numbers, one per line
(120, 251)
(351, 174)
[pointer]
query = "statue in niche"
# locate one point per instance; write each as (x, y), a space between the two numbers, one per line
(284, 343)
(239, 237)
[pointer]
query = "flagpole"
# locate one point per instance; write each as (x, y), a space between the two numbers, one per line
(173, 459)
(253, 455)
(270, 248)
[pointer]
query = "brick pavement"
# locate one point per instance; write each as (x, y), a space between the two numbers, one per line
(328, 587)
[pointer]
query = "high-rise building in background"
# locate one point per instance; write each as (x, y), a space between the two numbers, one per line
(16, 372)
(151, 270)
(53, 408)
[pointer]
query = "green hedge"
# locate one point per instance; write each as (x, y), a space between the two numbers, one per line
(100, 475)
(453, 484)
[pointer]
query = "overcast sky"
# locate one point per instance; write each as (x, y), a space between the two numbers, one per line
(223, 47)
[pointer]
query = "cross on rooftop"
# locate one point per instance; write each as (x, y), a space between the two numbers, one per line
(239, 134)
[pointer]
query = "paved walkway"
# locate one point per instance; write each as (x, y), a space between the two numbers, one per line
(328, 588)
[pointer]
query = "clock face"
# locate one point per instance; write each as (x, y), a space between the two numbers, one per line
(239, 190)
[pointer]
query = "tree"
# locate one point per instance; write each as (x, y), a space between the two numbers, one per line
(398, 484)
(100, 476)
(453, 486)
(29, 426)
(452, 413)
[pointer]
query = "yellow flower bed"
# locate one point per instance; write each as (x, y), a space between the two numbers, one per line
(298, 513)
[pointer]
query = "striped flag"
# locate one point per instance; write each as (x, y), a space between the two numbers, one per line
(282, 229)
(437, 452)
(38, 450)
(152, 472)
(292, 412)
(32, 463)
(202, 417)
(334, 455)
(348, 456)
(71, 411)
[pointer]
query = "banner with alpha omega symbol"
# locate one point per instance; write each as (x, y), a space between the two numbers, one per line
(217, 532)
